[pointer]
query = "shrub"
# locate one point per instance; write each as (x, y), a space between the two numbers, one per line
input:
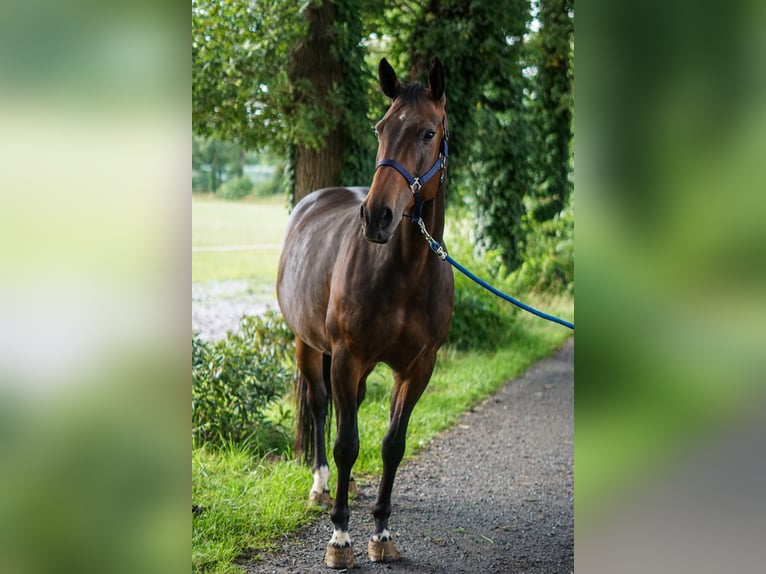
(477, 320)
(548, 253)
(270, 186)
(200, 181)
(236, 188)
(235, 381)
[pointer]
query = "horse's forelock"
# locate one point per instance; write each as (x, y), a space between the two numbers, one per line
(411, 93)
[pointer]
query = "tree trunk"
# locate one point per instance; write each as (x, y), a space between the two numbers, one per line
(315, 169)
(241, 162)
(213, 167)
(316, 61)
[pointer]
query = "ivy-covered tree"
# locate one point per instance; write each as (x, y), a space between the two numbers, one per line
(502, 151)
(553, 107)
(501, 157)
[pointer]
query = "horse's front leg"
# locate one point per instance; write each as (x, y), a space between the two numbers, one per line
(408, 386)
(346, 376)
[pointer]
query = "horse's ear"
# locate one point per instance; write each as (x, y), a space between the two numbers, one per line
(389, 83)
(436, 80)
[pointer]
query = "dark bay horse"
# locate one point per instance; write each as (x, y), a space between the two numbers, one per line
(359, 286)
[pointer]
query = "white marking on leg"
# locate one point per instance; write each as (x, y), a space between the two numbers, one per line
(340, 539)
(382, 537)
(320, 479)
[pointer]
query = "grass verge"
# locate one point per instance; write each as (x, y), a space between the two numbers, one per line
(218, 223)
(251, 502)
(259, 267)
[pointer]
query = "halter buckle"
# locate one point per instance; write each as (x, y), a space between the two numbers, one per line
(415, 185)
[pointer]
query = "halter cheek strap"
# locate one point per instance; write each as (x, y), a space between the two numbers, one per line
(416, 183)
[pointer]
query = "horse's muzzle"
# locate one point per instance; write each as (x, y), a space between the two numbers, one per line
(377, 225)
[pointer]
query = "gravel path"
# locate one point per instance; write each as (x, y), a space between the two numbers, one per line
(495, 494)
(218, 306)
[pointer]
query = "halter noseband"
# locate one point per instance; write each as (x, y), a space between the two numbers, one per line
(416, 183)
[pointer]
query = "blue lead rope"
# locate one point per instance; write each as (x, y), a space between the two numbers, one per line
(439, 250)
(502, 295)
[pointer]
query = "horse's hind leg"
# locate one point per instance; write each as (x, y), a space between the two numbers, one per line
(408, 387)
(312, 398)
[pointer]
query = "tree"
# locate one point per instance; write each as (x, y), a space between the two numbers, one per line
(553, 107)
(501, 156)
(271, 74)
(502, 151)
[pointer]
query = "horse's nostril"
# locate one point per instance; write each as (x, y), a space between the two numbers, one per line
(386, 218)
(363, 213)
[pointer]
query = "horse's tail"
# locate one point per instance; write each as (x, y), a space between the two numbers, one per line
(304, 402)
(304, 432)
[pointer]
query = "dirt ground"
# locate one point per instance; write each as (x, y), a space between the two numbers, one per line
(495, 494)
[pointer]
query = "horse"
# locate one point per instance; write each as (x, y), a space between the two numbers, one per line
(358, 286)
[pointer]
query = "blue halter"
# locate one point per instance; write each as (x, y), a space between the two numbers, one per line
(416, 183)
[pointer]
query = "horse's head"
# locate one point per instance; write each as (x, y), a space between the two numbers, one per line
(411, 153)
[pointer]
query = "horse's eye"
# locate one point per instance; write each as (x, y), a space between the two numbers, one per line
(428, 135)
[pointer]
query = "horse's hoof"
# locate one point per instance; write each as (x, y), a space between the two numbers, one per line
(339, 558)
(321, 499)
(382, 551)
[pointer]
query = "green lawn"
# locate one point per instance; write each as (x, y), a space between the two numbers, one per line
(258, 225)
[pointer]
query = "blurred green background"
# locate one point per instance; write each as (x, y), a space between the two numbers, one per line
(670, 175)
(94, 287)
(94, 219)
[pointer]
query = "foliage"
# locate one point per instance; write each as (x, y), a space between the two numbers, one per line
(477, 321)
(240, 57)
(235, 188)
(237, 379)
(271, 186)
(500, 167)
(216, 162)
(553, 105)
(358, 94)
(480, 321)
(472, 40)
(548, 253)
(213, 161)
